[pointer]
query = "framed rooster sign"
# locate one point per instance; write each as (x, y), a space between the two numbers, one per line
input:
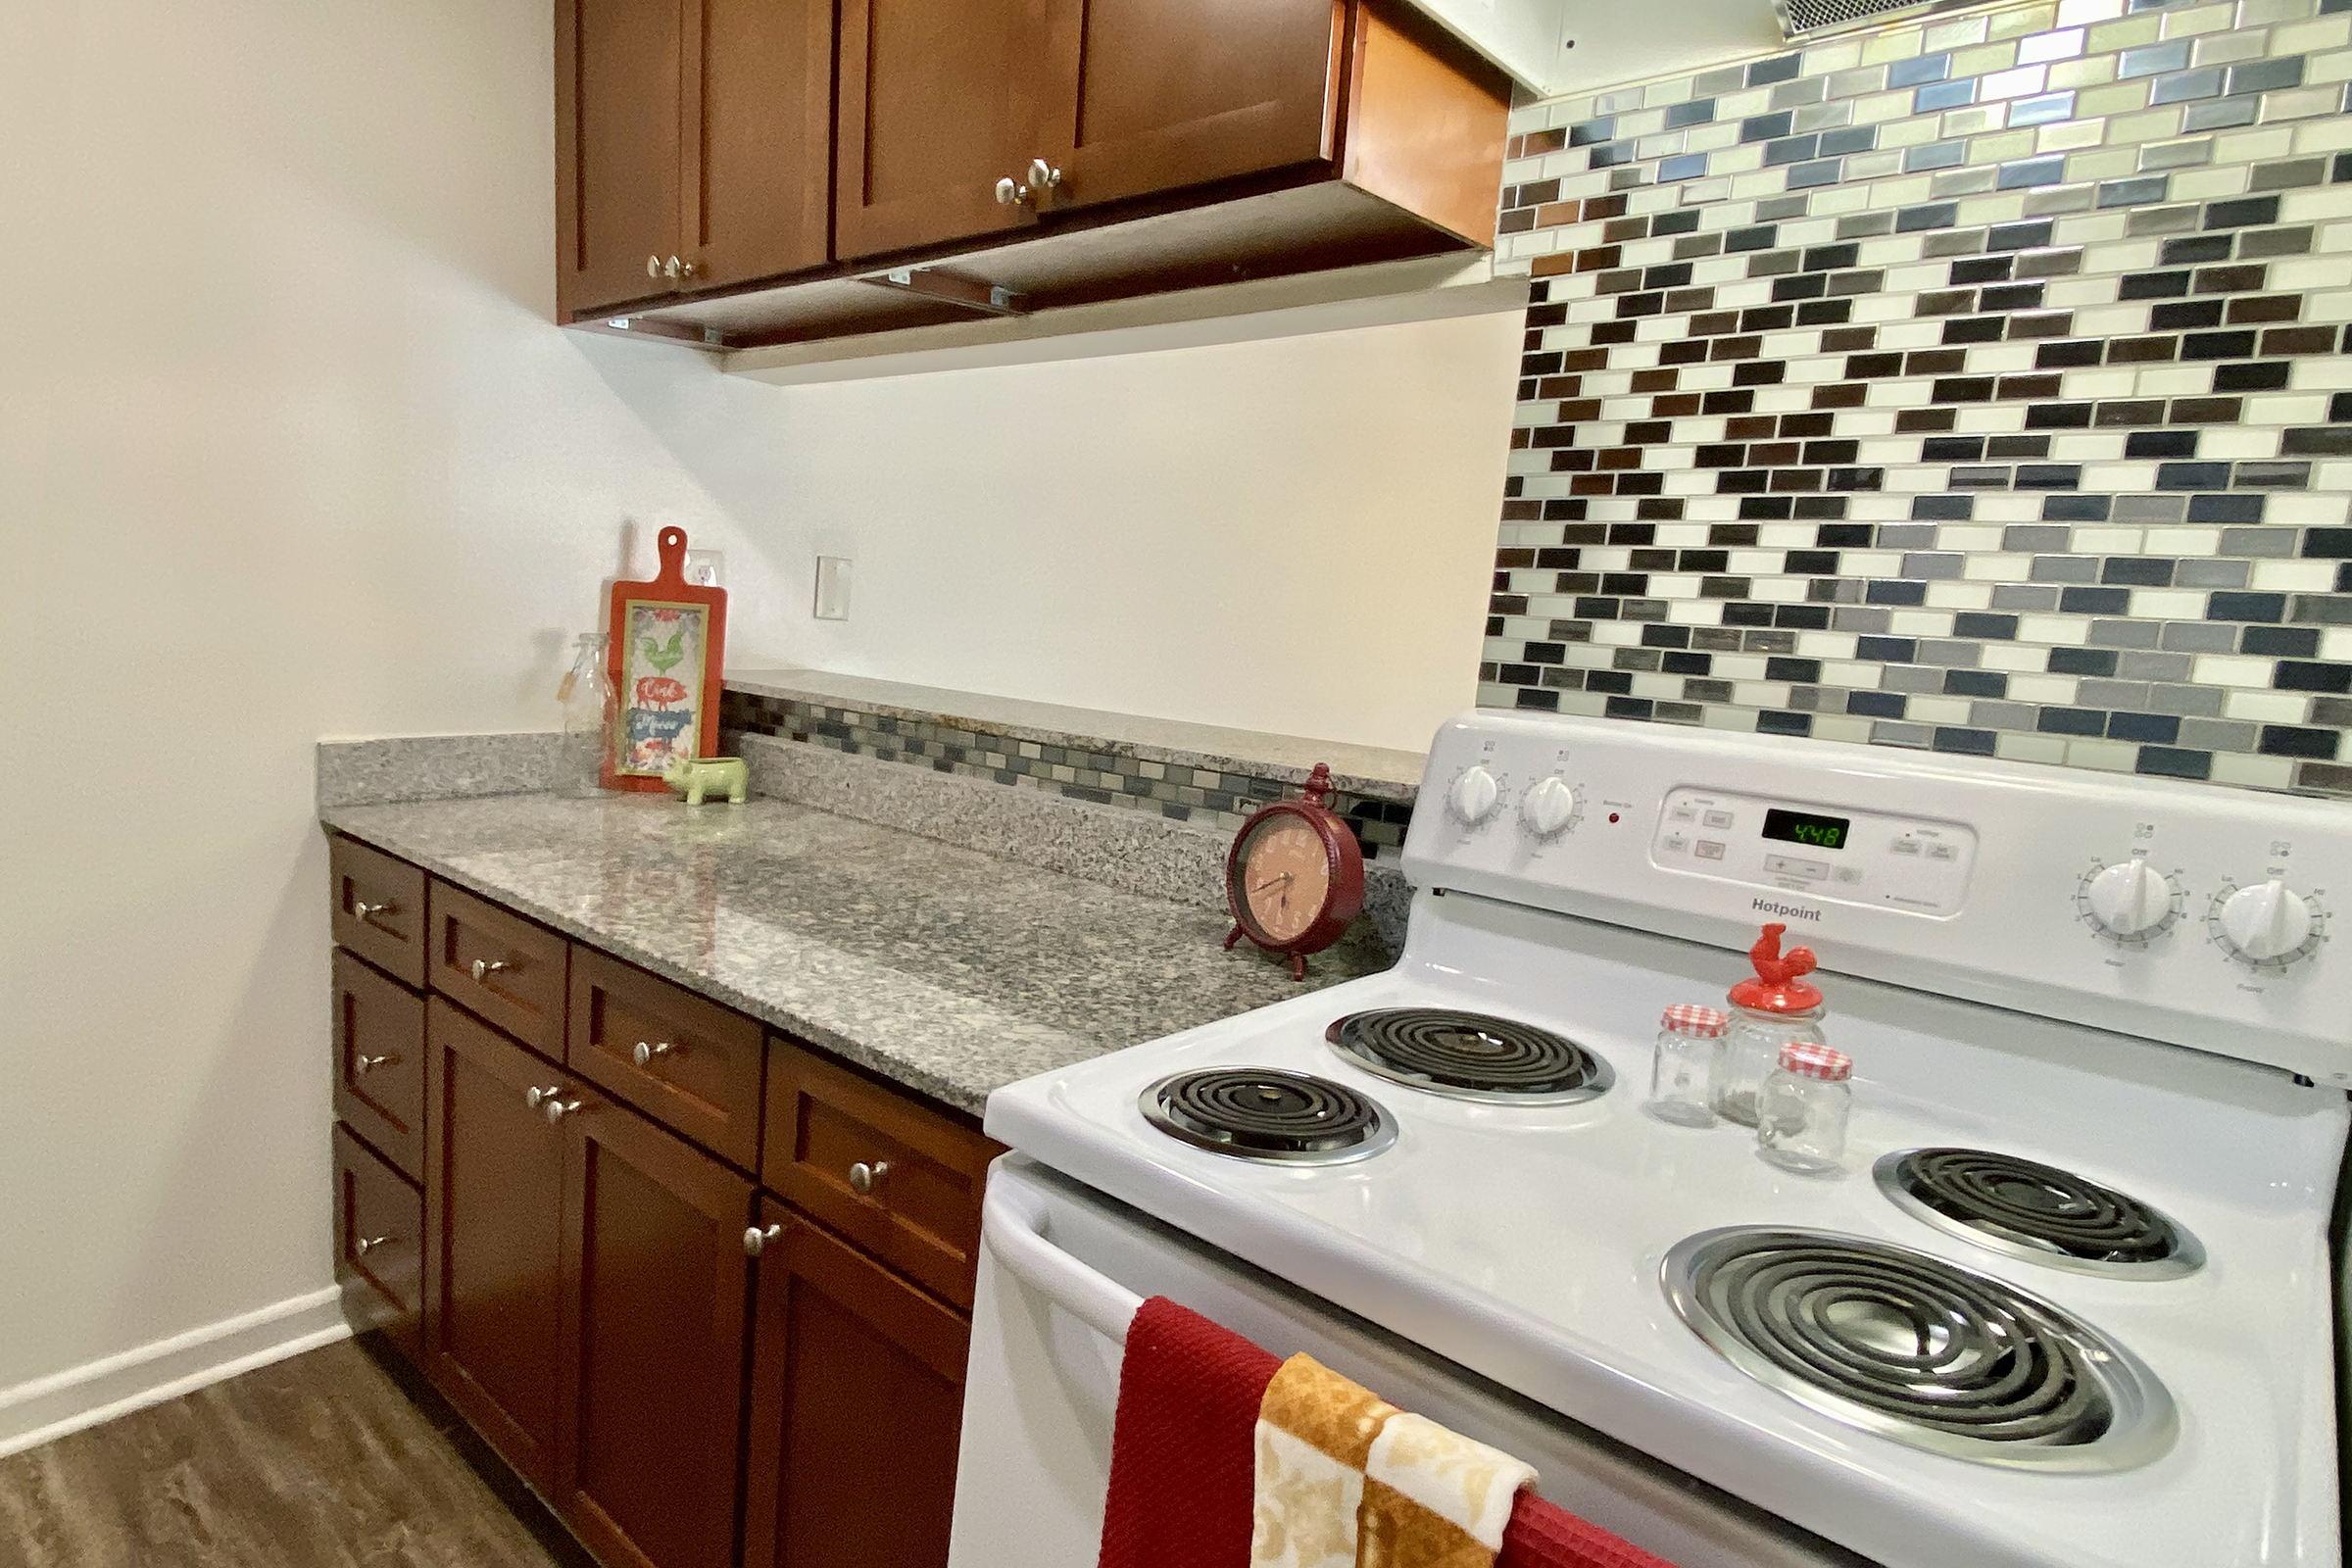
(668, 639)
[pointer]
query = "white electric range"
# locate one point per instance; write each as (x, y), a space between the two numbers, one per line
(2071, 1301)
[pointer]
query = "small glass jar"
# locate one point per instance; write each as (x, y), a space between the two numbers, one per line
(591, 709)
(1802, 1115)
(1682, 1075)
(1752, 1050)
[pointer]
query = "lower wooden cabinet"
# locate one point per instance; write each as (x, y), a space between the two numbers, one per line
(652, 1338)
(493, 1264)
(379, 1242)
(857, 1399)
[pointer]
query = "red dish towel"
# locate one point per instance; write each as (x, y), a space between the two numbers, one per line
(1541, 1536)
(1183, 1457)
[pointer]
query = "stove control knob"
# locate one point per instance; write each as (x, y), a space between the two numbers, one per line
(2130, 900)
(1548, 809)
(2268, 924)
(1472, 798)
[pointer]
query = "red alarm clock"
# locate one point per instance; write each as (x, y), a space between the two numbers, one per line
(1295, 877)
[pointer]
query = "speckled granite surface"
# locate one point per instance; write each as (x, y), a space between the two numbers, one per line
(946, 969)
(435, 767)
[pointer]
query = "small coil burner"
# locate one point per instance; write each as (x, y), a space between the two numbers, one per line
(2037, 1211)
(1469, 1055)
(1266, 1113)
(1920, 1351)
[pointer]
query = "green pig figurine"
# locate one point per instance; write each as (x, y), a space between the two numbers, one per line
(697, 776)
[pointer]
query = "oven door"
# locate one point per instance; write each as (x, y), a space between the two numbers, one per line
(1061, 1270)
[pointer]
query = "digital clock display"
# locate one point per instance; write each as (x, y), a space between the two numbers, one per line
(1806, 827)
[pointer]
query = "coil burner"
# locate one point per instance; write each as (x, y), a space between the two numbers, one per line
(1267, 1113)
(2031, 1211)
(1920, 1351)
(1470, 1056)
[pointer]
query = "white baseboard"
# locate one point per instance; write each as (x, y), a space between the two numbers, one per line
(32, 1413)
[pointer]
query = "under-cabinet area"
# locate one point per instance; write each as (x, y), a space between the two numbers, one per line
(740, 174)
(699, 1285)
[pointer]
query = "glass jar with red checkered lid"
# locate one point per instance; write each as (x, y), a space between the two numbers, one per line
(1801, 1114)
(1682, 1075)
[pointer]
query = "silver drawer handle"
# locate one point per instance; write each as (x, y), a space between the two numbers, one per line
(558, 1110)
(369, 1244)
(864, 1178)
(536, 1097)
(483, 968)
(756, 1240)
(646, 1052)
(362, 910)
(368, 1064)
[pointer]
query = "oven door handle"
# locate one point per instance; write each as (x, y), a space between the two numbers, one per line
(1014, 1228)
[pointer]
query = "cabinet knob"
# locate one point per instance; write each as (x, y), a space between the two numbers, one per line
(678, 268)
(864, 1178)
(653, 266)
(367, 1064)
(536, 1097)
(483, 968)
(756, 1240)
(1042, 177)
(362, 910)
(556, 1109)
(647, 1051)
(369, 1244)
(1010, 194)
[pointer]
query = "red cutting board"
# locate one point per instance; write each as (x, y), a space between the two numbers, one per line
(669, 639)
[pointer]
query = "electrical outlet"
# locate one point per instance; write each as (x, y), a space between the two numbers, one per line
(707, 569)
(832, 587)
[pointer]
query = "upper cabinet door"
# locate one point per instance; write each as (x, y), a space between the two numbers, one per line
(939, 101)
(1170, 93)
(756, 180)
(617, 117)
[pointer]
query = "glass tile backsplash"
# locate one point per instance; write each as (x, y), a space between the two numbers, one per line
(1976, 385)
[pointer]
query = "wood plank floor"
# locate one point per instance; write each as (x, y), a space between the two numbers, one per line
(340, 1458)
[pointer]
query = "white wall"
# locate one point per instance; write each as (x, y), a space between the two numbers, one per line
(287, 450)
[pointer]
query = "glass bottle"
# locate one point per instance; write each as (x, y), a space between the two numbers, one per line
(1769, 1012)
(591, 709)
(1801, 1114)
(1681, 1076)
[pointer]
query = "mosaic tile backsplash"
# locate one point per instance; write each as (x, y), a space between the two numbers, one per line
(1103, 775)
(1976, 385)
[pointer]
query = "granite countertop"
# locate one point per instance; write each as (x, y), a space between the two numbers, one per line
(945, 969)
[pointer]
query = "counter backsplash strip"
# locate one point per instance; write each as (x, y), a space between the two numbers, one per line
(1973, 386)
(1102, 775)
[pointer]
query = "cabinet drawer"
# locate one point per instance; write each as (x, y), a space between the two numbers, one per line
(379, 1235)
(380, 1063)
(899, 1179)
(689, 1063)
(499, 966)
(378, 908)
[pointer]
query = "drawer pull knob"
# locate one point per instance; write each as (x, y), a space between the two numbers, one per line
(369, 1244)
(484, 969)
(364, 1065)
(362, 910)
(536, 1097)
(556, 1109)
(864, 1178)
(647, 1051)
(756, 1240)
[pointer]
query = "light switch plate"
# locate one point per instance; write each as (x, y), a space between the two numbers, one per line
(832, 587)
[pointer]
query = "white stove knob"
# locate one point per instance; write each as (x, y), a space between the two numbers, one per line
(1548, 808)
(2128, 898)
(1473, 796)
(2265, 922)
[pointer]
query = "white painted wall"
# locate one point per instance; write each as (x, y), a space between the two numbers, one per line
(287, 451)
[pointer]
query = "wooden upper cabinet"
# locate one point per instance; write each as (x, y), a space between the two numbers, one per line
(939, 101)
(757, 140)
(1156, 95)
(618, 155)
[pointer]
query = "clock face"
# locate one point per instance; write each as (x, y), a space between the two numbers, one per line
(1285, 876)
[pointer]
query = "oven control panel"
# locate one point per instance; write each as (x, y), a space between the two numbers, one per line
(1846, 854)
(2200, 915)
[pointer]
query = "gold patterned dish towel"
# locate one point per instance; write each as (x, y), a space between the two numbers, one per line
(1346, 1480)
